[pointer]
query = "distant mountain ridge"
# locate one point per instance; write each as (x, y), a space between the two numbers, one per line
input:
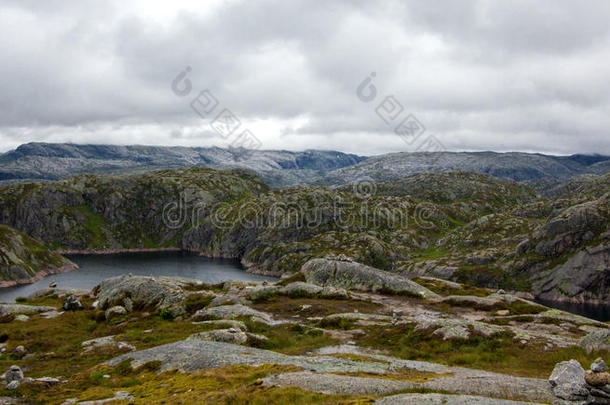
(54, 161)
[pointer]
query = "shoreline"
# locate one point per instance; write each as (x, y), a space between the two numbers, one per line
(116, 251)
(39, 276)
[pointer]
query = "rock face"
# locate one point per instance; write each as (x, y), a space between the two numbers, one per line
(106, 212)
(24, 259)
(355, 276)
(584, 277)
(140, 293)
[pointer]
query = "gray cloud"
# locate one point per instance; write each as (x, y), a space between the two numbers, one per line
(479, 74)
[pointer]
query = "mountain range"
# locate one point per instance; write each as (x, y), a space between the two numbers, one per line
(50, 161)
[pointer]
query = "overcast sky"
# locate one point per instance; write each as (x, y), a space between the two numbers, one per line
(479, 75)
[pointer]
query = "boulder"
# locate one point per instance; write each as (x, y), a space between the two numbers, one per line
(13, 374)
(568, 381)
(72, 303)
(596, 341)
(22, 318)
(141, 293)
(351, 275)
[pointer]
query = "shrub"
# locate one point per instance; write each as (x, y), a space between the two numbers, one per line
(195, 302)
(166, 314)
(21, 299)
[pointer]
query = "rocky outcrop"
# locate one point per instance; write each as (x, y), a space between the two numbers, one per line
(25, 260)
(338, 273)
(584, 277)
(106, 212)
(231, 312)
(297, 289)
(141, 293)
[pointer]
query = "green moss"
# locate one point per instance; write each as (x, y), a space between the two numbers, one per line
(195, 302)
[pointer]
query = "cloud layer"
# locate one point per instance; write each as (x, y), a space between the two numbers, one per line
(478, 74)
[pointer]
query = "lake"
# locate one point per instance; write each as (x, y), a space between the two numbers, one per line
(95, 268)
(593, 311)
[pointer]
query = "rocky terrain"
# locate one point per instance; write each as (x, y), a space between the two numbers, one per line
(406, 291)
(48, 161)
(460, 226)
(358, 336)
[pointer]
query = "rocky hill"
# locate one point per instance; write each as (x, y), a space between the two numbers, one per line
(24, 259)
(461, 226)
(121, 211)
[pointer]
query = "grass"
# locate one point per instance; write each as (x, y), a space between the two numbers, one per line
(498, 353)
(312, 307)
(291, 339)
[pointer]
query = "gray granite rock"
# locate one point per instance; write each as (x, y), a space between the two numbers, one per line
(351, 275)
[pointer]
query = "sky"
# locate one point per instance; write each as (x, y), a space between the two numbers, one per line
(345, 75)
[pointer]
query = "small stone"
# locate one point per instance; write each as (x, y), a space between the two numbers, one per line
(13, 385)
(22, 318)
(105, 376)
(20, 351)
(52, 284)
(503, 312)
(13, 374)
(599, 365)
(72, 303)
(500, 292)
(114, 312)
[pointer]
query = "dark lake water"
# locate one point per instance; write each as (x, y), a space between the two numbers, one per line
(95, 268)
(597, 312)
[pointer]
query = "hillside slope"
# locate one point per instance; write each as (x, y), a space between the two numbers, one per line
(23, 259)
